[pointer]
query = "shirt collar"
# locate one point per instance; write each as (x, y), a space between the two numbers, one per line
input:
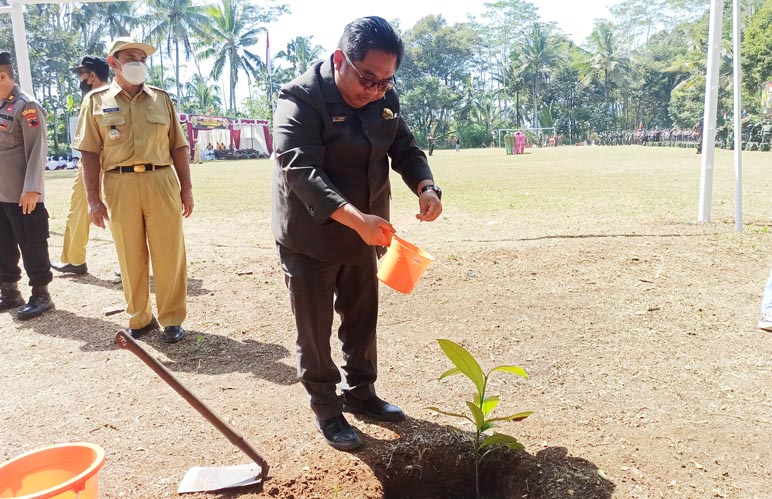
(115, 89)
(15, 91)
(329, 88)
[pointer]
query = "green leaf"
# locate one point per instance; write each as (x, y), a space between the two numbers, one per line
(464, 416)
(514, 417)
(512, 369)
(449, 372)
(486, 426)
(501, 439)
(479, 417)
(489, 404)
(465, 363)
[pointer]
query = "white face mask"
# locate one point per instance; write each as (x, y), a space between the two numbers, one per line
(134, 72)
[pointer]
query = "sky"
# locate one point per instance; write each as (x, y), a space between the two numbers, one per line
(325, 20)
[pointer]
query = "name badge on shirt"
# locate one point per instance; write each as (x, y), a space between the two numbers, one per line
(111, 110)
(338, 119)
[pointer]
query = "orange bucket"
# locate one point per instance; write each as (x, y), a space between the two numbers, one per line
(403, 265)
(65, 471)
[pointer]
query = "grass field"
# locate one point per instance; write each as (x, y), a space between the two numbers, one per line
(644, 183)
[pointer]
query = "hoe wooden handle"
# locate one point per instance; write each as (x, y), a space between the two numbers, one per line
(126, 342)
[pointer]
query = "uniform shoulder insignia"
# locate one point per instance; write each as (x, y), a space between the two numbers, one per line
(157, 89)
(25, 97)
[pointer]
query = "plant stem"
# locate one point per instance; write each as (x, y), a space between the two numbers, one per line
(477, 465)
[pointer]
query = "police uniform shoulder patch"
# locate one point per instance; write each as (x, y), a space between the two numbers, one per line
(31, 117)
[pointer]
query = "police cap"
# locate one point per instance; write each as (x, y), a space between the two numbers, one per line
(95, 65)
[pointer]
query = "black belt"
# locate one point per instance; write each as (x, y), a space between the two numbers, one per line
(138, 168)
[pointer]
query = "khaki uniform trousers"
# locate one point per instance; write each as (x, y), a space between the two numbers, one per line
(145, 213)
(78, 222)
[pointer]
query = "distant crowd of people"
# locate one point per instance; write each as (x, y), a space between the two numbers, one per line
(645, 136)
(61, 163)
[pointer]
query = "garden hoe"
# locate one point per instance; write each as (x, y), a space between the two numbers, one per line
(199, 479)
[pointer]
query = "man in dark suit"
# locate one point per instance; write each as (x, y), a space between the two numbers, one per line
(335, 129)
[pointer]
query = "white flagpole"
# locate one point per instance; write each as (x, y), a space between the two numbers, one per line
(711, 104)
(20, 42)
(738, 107)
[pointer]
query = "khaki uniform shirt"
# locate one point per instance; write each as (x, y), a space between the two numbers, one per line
(23, 146)
(126, 131)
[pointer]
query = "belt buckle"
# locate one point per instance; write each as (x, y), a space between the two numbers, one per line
(140, 169)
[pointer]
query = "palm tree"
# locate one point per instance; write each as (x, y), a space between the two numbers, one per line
(175, 21)
(202, 97)
(97, 21)
(232, 30)
(539, 53)
(607, 64)
(300, 53)
(512, 78)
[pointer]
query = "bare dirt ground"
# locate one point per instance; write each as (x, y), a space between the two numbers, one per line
(648, 377)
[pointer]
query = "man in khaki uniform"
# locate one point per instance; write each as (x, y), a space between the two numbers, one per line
(92, 72)
(130, 130)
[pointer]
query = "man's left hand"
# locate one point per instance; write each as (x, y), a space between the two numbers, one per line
(429, 205)
(187, 202)
(28, 201)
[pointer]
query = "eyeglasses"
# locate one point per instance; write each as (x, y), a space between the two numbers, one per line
(367, 82)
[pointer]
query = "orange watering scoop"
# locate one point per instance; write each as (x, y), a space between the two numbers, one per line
(403, 265)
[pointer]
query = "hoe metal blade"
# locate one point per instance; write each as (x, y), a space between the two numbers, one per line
(200, 479)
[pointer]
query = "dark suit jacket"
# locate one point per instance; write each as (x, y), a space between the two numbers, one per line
(329, 154)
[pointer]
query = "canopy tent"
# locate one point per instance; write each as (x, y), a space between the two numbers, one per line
(237, 134)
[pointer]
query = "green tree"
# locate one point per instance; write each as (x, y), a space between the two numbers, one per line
(300, 53)
(233, 29)
(201, 97)
(175, 23)
(97, 21)
(539, 54)
(756, 53)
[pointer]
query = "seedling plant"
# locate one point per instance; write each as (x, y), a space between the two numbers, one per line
(482, 405)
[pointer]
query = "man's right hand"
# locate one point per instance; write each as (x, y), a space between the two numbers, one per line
(374, 230)
(97, 212)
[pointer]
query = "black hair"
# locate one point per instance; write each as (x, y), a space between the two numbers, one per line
(370, 33)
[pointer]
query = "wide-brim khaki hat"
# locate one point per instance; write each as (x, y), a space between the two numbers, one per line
(126, 42)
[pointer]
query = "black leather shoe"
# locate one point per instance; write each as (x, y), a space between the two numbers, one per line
(373, 407)
(173, 334)
(338, 433)
(39, 302)
(10, 296)
(151, 326)
(68, 268)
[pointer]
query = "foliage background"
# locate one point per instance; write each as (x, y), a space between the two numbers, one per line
(643, 67)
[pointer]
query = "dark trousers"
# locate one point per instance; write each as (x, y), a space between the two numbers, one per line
(25, 236)
(317, 289)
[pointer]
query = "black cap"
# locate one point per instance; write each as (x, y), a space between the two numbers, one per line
(95, 65)
(5, 57)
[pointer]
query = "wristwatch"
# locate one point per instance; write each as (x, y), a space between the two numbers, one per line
(432, 187)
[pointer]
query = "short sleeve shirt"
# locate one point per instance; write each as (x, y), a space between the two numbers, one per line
(23, 146)
(128, 131)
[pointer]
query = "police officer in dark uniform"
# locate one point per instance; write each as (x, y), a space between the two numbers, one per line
(23, 216)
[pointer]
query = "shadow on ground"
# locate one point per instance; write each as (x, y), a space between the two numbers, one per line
(203, 353)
